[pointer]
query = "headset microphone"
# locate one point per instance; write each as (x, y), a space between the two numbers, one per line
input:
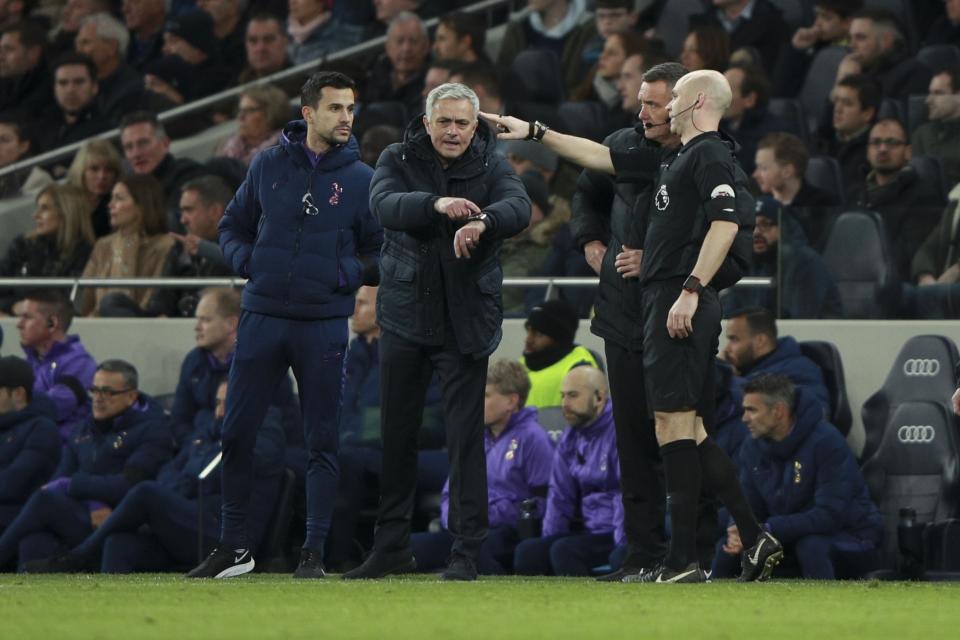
(651, 125)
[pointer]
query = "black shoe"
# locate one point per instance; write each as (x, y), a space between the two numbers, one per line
(311, 565)
(460, 568)
(663, 574)
(758, 562)
(621, 575)
(59, 564)
(224, 563)
(381, 564)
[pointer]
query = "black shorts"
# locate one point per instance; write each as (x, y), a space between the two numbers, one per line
(679, 372)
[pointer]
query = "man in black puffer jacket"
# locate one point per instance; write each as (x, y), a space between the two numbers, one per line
(446, 202)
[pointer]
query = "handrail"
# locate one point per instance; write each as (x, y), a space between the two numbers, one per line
(199, 283)
(223, 96)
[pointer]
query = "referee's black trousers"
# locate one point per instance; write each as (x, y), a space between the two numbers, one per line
(405, 371)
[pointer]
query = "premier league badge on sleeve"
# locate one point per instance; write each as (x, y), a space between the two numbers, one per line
(662, 198)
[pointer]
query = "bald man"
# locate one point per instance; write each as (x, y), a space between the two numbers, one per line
(585, 480)
(692, 224)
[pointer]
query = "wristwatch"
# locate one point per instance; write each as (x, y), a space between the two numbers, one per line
(482, 217)
(537, 131)
(692, 284)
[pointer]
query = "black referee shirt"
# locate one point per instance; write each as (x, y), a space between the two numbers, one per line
(694, 188)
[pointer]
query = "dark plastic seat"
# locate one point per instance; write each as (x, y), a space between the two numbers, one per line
(790, 110)
(891, 108)
(940, 56)
(796, 13)
(815, 92)
(827, 357)
(858, 257)
(674, 21)
(538, 76)
(931, 172)
(917, 112)
(916, 466)
(923, 371)
(552, 421)
(584, 119)
(824, 173)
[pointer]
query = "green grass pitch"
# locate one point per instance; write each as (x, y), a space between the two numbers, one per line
(274, 606)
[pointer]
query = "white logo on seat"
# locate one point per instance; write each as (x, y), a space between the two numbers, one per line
(921, 367)
(662, 198)
(916, 434)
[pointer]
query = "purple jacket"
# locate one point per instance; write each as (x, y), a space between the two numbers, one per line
(64, 374)
(586, 468)
(518, 467)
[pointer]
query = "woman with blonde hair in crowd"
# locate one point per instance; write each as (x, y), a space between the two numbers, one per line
(95, 169)
(139, 247)
(59, 244)
(263, 111)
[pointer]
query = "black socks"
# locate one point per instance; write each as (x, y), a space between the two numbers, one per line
(720, 475)
(681, 470)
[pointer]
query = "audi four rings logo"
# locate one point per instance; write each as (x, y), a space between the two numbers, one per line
(915, 434)
(921, 367)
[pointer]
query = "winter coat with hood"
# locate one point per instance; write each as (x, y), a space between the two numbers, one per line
(422, 283)
(299, 265)
(809, 482)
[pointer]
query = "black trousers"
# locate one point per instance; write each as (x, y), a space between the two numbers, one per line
(641, 471)
(405, 371)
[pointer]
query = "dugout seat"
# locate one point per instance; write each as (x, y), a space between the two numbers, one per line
(552, 421)
(827, 357)
(923, 371)
(858, 257)
(916, 466)
(815, 92)
(824, 173)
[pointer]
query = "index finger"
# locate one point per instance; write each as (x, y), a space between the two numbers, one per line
(470, 205)
(490, 117)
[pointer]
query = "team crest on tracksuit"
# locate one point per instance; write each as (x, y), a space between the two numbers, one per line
(662, 199)
(335, 192)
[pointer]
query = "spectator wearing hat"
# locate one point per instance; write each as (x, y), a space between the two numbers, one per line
(191, 67)
(316, 33)
(805, 288)
(525, 254)
(29, 444)
(549, 351)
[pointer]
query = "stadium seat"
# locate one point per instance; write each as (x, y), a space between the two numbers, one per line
(922, 372)
(584, 119)
(857, 255)
(790, 110)
(824, 173)
(827, 357)
(538, 77)
(939, 56)
(891, 108)
(796, 13)
(391, 113)
(916, 112)
(552, 421)
(272, 555)
(815, 92)
(673, 23)
(931, 171)
(914, 467)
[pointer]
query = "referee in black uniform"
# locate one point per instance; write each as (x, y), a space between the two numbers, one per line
(692, 224)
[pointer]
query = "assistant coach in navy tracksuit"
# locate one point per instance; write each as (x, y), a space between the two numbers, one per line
(300, 229)
(804, 484)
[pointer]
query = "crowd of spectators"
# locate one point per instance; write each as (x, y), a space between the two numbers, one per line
(70, 70)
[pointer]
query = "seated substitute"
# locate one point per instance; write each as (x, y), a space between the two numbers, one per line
(156, 525)
(549, 351)
(519, 457)
(29, 442)
(805, 486)
(126, 440)
(584, 481)
(62, 368)
(753, 348)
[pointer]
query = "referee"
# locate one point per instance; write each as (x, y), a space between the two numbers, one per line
(680, 312)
